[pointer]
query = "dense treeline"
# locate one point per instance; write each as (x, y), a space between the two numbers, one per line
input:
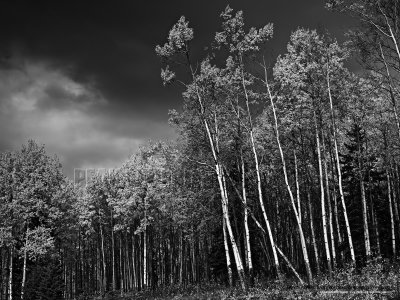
(290, 170)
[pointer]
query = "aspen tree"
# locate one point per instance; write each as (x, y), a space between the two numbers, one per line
(335, 203)
(308, 70)
(392, 227)
(296, 171)
(328, 200)
(179, 37)
(377, 35)
(10, 276)
(24, 264)
(239, 44)
(338, 168)
(363, 199)
(296, 209)
(249, 262)
(322, 195)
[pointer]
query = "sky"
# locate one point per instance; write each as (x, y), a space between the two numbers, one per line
(82, 77)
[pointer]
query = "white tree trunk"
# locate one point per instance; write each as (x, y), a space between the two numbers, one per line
(296, 209)
(330, 216)
(249, 262)
(145, 258)
(365, 221)
(227, 255)
(225, 212)
(339, 172)
(313, 239)
(392, 227)
(10, 276)
(104, 283)
(323, 212)
(221, 182)
(297, 187)
(24, 266)
(363, 202)
(259, 185)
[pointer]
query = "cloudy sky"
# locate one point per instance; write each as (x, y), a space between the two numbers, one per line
(82, 77)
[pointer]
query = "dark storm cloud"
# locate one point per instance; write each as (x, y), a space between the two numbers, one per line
(82, 76)
(73, 119)
(63, 97)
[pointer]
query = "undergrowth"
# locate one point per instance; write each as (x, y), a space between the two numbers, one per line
(379, 279)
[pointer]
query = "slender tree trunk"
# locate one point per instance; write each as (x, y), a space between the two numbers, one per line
(4, 266)
(24, 266)
(79, 281)
(225, 207)
(65, 274)
(73, 277)
(145, 281)
(193, 265)
(377, 236)
(104, 285)
(181, 258)
(335, 206)
(290, 265)
(113, 267)
(313, 239)
(339, 173)
(134, 265)
(295, 208)
(264, 213)
(127, 267)
(297, 186)
(259, 188)
(392, 227)
(330, 218)
(394, 199)
(139, 260)
(121, 269)
(332, 236)
(236, 254)
(249, 262)
(396, 178)
(365, 221)
(227, 255)
(237, 231)
(221, 179)
(323, 212)
(363, 201)
(10, 276)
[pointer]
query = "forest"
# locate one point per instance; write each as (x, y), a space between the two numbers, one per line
(285, 173)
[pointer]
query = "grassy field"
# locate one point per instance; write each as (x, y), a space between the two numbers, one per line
(377, 280)
(259, 293)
